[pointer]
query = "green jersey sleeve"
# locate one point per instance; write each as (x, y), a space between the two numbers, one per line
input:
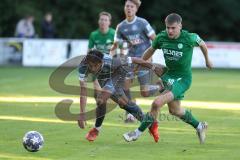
(195, 39)
(156, 42)
(91, 41)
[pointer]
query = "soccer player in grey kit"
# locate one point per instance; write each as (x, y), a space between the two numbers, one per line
(110, 73)
(137, 33)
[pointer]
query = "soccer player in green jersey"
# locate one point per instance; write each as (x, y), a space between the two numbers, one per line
(177, 46)
(102, 38)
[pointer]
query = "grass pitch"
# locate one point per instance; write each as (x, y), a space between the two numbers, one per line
(64, 140)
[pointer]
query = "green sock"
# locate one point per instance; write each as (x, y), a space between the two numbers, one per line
(188, 118)
(147, 121)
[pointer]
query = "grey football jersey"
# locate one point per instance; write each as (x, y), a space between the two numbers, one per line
(136, 34)
(113, 68)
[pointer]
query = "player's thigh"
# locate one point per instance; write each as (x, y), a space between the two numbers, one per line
(127, 82)
(119, 97)
(163, 98)
(96, 85)
(144, 78)
(106, 92)
(177, 85)
(103, 96)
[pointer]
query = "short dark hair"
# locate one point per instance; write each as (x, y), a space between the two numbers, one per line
(94, 56)
(172, 18)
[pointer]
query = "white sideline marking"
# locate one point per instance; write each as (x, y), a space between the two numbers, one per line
(48, 120)
(10, 156)
(188, 104)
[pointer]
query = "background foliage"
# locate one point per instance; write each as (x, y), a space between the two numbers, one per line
(213, 20)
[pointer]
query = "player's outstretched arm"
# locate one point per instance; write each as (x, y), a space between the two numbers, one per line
(148, 53)
(204, 50)
(113, 48)
(83, 101)
(158, 69)
(146, 56)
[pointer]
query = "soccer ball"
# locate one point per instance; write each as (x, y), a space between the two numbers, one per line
(33, 141)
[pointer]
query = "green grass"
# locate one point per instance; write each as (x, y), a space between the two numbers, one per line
(66, 140)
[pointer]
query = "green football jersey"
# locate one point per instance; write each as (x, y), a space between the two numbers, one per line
(100, 41)
(177, 52)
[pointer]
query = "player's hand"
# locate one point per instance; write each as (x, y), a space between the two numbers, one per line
(82, 124)
(160, 70)
(81, 121)
(136, 69)
(209, 64)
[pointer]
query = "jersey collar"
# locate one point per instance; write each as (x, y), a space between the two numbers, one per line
(135, 18)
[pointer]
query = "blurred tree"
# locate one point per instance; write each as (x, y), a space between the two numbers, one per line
(213, 20)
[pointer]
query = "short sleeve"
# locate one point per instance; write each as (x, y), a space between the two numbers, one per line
(148, 28)
(83, 72)
(156, 43)
(122, 60)
(91, 41)
(117, 36)
(195, 39)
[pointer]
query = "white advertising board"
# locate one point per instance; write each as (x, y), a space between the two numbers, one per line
(44, 52)
(37, 52)
(222, 55)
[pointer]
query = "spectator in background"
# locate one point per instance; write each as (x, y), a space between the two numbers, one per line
(25, 28)
(48, 29)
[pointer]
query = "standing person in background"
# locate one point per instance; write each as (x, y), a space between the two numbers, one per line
(137, 33)
(47, 27)
(25, 28)
(102, 38)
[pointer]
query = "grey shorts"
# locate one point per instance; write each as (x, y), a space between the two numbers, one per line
(142, 75)
(114, 85)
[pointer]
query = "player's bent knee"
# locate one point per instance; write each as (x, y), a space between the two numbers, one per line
(174, 112)
(122, 106)
(122, 103)
(144, 93)
(171, 111)
(126, 105)
(100, 102)
(156, 104)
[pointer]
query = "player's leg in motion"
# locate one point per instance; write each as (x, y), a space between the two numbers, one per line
(97, 89)
(146, 88)
(150, 117)
(176, 110)
(127, 84)
(121, 99)
(186, 116)
(100, 114)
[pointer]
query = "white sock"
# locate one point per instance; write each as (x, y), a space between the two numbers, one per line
(98, 128)
(138, 132)
(199, 127)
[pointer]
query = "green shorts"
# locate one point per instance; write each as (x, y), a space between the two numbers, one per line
(178, 84)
